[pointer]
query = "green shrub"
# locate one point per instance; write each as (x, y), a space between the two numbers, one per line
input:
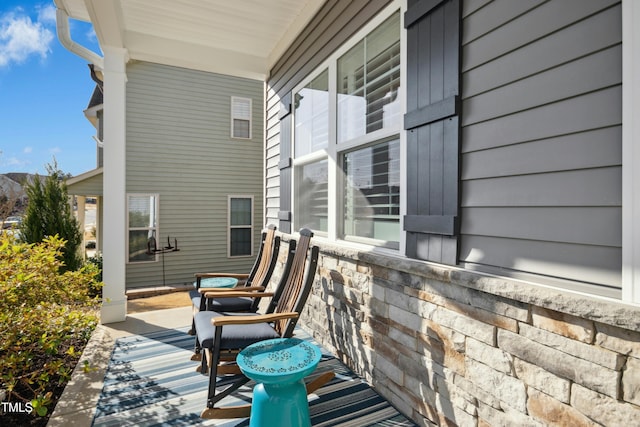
(95, 263)
(48, 213)
(46, 318)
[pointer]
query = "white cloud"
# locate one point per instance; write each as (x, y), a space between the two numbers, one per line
(27, 150)
(15, 162)
(21, 38)
(92, 36)
(47, 14)
(55, 150)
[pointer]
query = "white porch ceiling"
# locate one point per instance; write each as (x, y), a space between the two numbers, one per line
(242, 38)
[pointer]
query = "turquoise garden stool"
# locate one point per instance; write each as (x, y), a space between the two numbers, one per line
(218, 282)
(278, 366)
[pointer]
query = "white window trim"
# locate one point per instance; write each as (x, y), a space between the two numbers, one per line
(233, 101)
(157, 227)
(229, 226)
(334, 150)
(630, 152)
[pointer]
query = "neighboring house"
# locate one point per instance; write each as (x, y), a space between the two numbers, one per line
(193, 167)
(468, 168)
(13, 196)
(11, 190)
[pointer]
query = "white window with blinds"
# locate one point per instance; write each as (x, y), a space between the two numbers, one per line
(372, 192)
(311, 195)
(368, 83)
(142, 227)
(241, 110)
(240, 231)
(310, 142)
(347, 121)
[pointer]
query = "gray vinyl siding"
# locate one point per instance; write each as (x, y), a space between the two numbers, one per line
(333, 25)
(179, 146)
(540, 154)
(541, 140)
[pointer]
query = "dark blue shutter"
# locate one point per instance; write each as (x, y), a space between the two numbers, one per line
(285, 164)
(433, 107)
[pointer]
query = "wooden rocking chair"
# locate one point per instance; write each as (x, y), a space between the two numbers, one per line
(223, 336)
(256, 280)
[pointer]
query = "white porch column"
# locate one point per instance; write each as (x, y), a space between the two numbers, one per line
(99, 224)
(80, 214)
(630, 151)
(114, 306)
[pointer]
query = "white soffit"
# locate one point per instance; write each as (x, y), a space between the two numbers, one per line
(76, 9)
(242, 38)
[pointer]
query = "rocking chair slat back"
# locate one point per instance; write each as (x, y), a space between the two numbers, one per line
(298, 284)
(267, 260)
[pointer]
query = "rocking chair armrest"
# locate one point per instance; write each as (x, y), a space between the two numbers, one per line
(237, 294)
(210, 275)
(223, 290)
(246, 320)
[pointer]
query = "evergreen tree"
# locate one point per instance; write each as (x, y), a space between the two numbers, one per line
(49, 213)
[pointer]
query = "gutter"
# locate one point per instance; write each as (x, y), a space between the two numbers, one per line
(64, 35)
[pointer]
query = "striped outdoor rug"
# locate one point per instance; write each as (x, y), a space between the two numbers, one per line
(150, 381)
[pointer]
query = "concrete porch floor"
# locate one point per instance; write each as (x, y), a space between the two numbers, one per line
(158, 302)
(78, 402)
(160, 314)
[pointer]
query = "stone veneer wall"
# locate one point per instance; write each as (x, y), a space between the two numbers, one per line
(449, 346)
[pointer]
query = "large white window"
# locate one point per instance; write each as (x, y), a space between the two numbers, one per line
(240, 226)
(347, 119)
(142, 220)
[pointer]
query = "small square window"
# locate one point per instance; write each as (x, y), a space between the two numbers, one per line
(241, 117)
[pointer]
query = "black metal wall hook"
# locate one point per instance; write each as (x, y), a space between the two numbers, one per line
(152, 249)
(152, 246)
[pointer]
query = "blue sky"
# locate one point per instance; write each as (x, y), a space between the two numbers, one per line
(44, 89)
